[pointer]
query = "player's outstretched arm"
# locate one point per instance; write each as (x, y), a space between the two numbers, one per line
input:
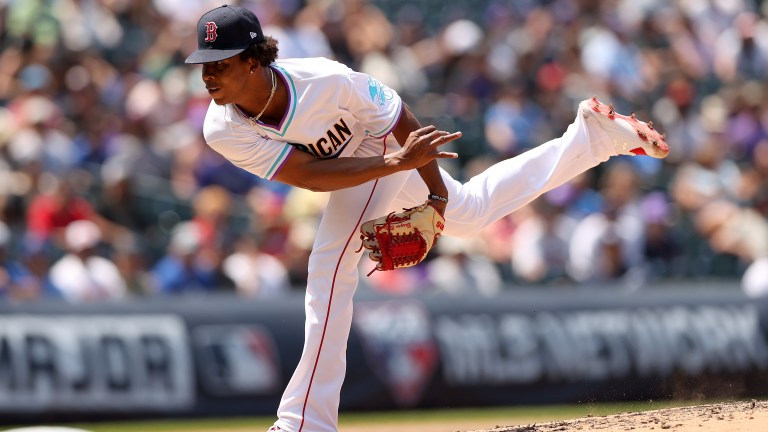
(323, 175)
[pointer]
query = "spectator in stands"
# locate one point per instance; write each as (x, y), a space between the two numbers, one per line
(59, 203)
(710, 176)
(755, 179)
(462, 269)
(691, 127)
(662, 249)
(212, 214)
(741, 51)
(41, 138)
(255, 273)
(513, 123)
(608, 246)
(737, 236)
(119, 201)
(84, 275)
(540, 242)
(131, 255)
(185, 268)
(17, 283)
(299, 31)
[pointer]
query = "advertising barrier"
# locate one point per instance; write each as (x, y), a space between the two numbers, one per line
(224, 356)
(94, 363)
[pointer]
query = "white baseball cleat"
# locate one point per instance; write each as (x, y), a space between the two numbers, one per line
(629, 135)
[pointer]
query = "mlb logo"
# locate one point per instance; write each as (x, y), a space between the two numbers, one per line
(237, 359)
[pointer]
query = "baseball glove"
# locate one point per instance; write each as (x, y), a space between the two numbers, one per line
(402, 239)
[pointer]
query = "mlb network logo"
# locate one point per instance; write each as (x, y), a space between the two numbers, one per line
(398, 341)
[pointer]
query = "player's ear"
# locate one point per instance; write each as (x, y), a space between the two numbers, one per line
(253, 65)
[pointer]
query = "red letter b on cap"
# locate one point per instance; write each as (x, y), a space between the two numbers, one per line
(210, 31)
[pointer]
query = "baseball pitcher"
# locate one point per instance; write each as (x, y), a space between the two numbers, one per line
(316, 124)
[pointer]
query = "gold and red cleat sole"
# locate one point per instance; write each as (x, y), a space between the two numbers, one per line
(652, 143)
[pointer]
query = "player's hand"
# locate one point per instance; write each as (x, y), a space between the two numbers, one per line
(423, 146)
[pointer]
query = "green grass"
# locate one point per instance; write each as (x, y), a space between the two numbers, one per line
(510, 415)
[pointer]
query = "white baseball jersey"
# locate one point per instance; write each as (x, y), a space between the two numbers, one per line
(333, 111)
(336, 112)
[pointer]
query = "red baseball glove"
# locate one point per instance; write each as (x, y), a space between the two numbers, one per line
(402, 239)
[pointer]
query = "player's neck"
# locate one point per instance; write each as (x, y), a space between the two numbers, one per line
(265, 106)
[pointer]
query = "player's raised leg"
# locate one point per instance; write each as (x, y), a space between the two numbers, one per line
(597, 134)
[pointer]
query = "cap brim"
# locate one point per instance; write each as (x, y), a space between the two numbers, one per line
(211, 55)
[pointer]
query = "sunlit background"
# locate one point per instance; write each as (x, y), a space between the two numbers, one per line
(109, 195)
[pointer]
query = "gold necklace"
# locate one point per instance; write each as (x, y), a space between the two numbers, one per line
(271, 95)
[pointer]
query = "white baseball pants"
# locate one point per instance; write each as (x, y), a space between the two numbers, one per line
(311, 400)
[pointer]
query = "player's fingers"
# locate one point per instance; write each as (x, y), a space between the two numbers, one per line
(447, 155)
(426, 130)
(439, 138)
(446, 138)
(434, 136)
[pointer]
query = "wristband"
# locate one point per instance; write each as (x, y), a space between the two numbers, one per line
(434, 197)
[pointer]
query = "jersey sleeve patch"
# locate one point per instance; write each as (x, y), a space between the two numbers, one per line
(380, 94)
(376, 106)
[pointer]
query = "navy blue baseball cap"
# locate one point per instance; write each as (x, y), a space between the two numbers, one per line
(225, 32)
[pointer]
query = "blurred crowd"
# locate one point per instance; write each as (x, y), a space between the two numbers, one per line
(108, 191)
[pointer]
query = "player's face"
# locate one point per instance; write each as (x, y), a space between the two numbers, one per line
(225, 80)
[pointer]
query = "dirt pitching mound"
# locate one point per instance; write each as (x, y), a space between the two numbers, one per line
(721, 417)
